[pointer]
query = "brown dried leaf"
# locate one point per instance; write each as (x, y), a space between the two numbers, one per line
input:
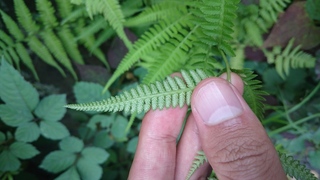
(294, 23)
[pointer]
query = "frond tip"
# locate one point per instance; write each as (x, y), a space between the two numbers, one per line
(171, 92)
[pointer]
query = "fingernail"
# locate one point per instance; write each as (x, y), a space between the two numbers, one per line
(216, 102)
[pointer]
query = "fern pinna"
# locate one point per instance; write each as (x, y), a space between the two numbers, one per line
(171, 92)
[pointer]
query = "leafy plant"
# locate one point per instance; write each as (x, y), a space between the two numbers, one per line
(28, 115)
(198, 38)
(289, 58)
(50, 37)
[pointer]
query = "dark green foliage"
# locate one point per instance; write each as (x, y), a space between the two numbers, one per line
(293, 168)
(174, 35)
(50, 37)
(252, 92)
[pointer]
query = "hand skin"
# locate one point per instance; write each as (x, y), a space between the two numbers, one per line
(221, 124)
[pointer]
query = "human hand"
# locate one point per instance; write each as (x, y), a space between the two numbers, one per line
(221, 124)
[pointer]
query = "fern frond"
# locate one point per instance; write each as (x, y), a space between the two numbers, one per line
(149, 41)
(269, 11)
(24, 55)
(199, 160)
(6, 39)
(155, 13)
(293, 168)
(112, 12)
(47, 13)
(12, 26)
(89, 43)
(216, 20)
(252, 92)
(255, 20)
(71, 47)
(56, 48)
(42, 51)
(14, 56)
(77, 13)
(24, 17)
(173, 57)
(202, 56)
(289, 58)
(92, 28)
(64, 7)
(171, 92)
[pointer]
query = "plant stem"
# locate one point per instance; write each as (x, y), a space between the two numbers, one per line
(289, 126)
(294, 108)
(227, 65)
(131, 120)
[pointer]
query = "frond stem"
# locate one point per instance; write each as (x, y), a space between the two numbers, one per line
(227, 65)
(289, 126)
(294, 108)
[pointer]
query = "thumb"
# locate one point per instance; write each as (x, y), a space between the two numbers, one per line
(232, 137)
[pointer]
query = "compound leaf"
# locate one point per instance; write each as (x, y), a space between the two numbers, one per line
(15, 91)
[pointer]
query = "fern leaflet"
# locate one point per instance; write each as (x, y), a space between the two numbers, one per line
(293, 168)
(171, 92)
(173, 57)
(24, 17)
(160, 11)
(112, 12)
(289, 57)
(149, 41)
(216, 21)
(199, 160)
(252, 92)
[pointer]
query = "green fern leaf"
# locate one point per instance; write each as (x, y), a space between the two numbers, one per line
(289, 58)
(171, 92)
(93, 27)
(252, 92)
(269, 11)
(12, 26)
(199, 160)
(112, 12)
(164, 10)
(173, 57)
(14, 56)
(149, 41)
(3, 52)
(41, 50)
(24, 17)
(70, 46)
(56, 48)
(24, 56)
(64, 7)
(77, 13)
(293, 168)
(102, 37)
(47, 13)
(6, 39)
(216, 20)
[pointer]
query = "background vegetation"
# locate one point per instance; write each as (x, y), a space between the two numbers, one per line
(58, 52)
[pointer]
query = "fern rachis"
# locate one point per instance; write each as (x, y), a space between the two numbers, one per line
(168, 93)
